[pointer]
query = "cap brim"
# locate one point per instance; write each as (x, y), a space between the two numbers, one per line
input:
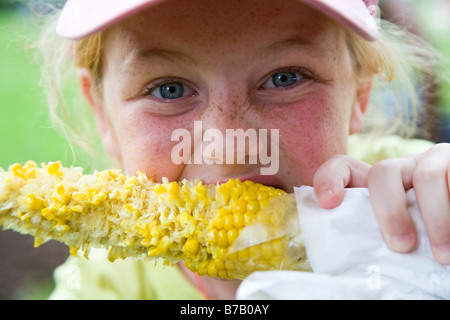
(81, 18)
(356, 15)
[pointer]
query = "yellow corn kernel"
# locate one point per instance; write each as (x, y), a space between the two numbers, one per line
(222, 212)
(238, 189)
(275, 193)
(216, 268)
(73, 250)
(49, 213)
(202, 268)
(62, 227)
(254, 251)
(174, 188)
(232, 256)
(213, 236)
(232, 235)
(34, 203)
(278, 245)
(192, 246)
(260, 194)
(98, 198)
(37, 242)
(263, 218)
(60, 189)
(253, 206)
(248, 217)
(24, 216)
(264, 202)
(17, 170)
(243, 254)
(30, 169)
(54, 169)
(266, 250)
(229, 222)
(229, 265)
(212, 269)
(160, 189)
(162, 247)
(77, 208)
(249, 195)
(239, 220)
(185, 219)
(222, 238)
(265, 188)
(239, 206)
(128, 207)
(219, 222)
(222, 253)
(223, 273)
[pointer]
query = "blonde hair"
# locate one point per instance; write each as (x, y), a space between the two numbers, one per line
(69, 111)
(399, 62)
(405, 70)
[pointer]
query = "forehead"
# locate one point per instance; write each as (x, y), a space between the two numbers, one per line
(221, 24)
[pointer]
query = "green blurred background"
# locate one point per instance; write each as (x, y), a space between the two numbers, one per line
(26, 132)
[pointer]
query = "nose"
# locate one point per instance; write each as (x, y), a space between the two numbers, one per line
(229, 127)
(228, 105)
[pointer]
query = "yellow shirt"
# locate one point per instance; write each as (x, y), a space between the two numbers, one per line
(133, 279)
(130, 279)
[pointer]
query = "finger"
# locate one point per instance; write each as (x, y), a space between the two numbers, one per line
(432, 194)
(387, 182)
(339, 172)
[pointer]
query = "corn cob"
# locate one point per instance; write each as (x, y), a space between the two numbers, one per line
(227, 230)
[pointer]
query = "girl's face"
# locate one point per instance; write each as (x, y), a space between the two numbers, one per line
(254, 64)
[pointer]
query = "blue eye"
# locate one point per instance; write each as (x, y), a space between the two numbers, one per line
(171, 91)
(283, 79)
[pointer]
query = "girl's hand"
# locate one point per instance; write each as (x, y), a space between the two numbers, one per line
(428, 173)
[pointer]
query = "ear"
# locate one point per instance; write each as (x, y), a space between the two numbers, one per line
(104, 125)
(359, 109)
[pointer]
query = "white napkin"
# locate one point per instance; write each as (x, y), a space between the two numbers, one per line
(350, 259)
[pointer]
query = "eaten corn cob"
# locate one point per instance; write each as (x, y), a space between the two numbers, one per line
(226, 231)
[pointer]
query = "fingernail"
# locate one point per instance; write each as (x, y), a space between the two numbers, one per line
(324, 198)
(443, 253)
(401, 243)
(325, 194)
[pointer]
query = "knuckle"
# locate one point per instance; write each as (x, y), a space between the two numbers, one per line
(334, 164)
(338, 159)
(444, 147)
(434, 164)
(440, 150)
(388, 164)
(384, 166)
(425, 171)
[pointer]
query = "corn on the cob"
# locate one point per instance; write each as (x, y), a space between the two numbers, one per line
(226, 231)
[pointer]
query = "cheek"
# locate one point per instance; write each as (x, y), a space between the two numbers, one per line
(146, 145)
(311, 133)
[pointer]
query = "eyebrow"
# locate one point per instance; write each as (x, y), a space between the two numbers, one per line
(283, 45)
(173, 56)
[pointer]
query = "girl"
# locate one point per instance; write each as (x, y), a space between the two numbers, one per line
(303, 68)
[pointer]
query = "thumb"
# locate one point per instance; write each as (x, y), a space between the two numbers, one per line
(336, 174)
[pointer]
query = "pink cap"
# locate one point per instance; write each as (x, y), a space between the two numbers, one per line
(81, 18)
